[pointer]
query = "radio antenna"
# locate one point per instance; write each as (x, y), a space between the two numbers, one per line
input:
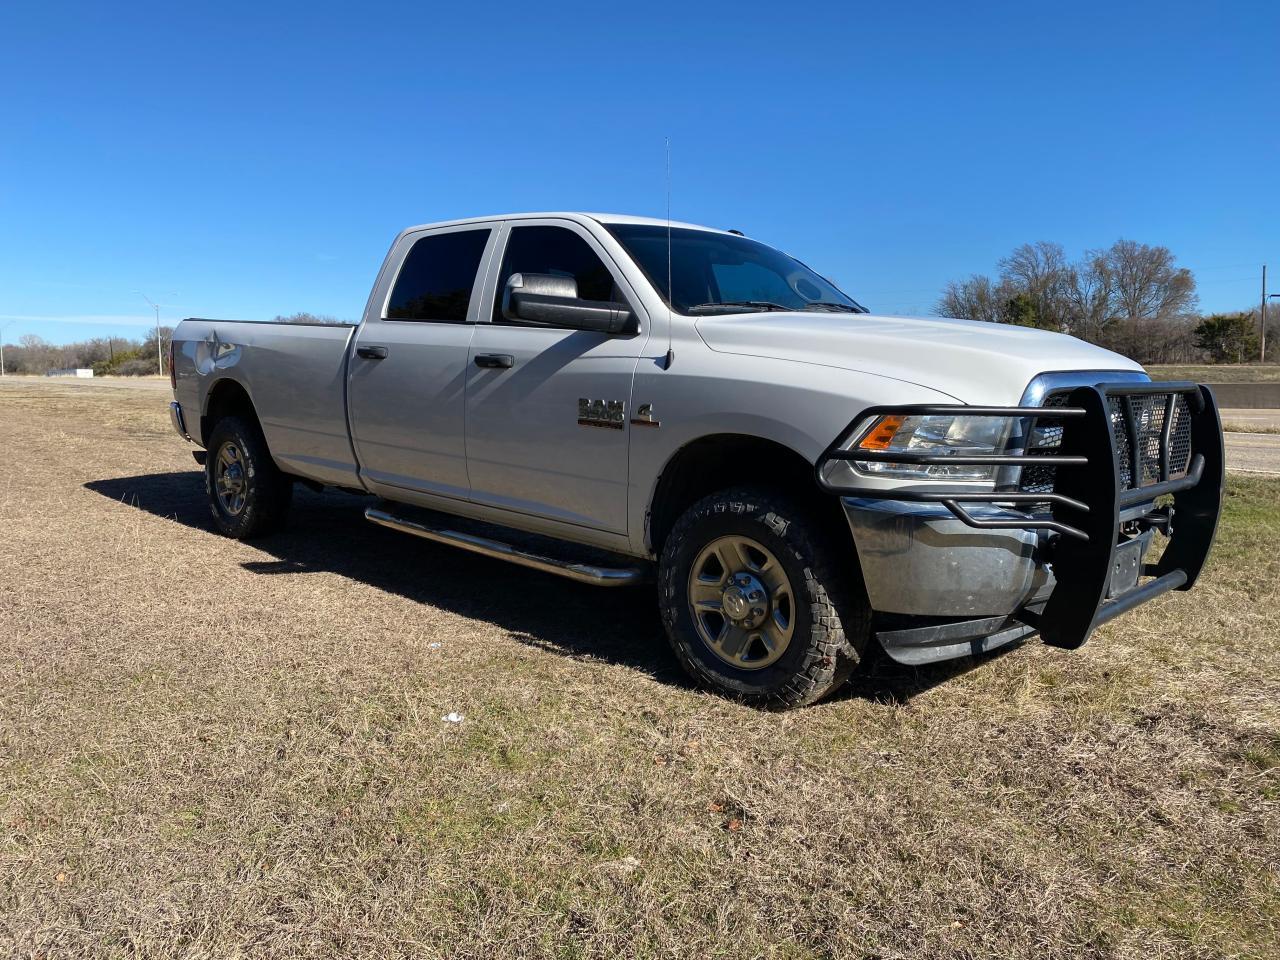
(671, 293)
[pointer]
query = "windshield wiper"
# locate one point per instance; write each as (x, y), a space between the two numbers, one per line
(736, 306)
(833, 305)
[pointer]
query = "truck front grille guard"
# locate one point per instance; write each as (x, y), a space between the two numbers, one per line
(1112, 442)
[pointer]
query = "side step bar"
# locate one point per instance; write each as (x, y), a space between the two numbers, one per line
(599, 576)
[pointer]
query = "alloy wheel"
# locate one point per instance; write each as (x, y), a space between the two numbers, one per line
(231, 483)
(742, 602)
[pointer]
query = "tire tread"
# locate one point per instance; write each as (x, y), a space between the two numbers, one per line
(839, 614)
(271, 491)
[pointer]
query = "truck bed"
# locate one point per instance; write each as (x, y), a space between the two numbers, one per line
(295, 373)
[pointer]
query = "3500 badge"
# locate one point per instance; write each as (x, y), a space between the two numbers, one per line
(602, 413)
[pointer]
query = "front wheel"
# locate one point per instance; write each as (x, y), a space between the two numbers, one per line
(248, 495)
(758, 600)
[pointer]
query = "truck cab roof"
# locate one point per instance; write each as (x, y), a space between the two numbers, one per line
(576, 215)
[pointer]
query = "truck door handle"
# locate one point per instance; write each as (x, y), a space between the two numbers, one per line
(497, 361)
(372, 353)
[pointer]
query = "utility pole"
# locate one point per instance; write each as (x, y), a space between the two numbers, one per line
(3, 328)
(160, 351)
(1262, 351)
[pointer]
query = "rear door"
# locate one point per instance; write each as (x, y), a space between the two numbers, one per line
(407, 375)
(529, 449)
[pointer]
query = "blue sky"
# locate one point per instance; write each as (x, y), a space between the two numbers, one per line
(244, 160)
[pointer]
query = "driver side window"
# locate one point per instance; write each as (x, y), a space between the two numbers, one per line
(556, 251)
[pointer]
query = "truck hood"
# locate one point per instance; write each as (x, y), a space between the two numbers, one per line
(972, 361)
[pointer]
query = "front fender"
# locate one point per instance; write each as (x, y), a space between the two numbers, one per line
(803, 407)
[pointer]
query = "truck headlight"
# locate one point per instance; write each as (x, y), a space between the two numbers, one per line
(937, 436)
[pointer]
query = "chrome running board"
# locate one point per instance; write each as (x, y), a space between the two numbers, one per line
(599, 576)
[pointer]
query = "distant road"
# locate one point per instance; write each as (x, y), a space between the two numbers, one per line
(1246, 452)
(1251, 419)
(1254, 453)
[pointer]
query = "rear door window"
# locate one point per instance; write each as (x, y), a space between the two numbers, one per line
(437, 278)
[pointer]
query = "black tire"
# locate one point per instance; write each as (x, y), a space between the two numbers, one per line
(832, 616)
(267, 492)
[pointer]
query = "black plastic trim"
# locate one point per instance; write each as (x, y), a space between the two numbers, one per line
(940, 633)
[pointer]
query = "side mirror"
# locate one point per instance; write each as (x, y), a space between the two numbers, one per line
(552, 301)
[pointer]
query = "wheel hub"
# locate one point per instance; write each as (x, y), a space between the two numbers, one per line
(741, 601)
(745, 600)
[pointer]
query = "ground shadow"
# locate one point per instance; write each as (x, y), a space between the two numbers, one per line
(327, 532)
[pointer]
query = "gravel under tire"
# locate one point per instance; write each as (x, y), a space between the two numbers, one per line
(269, 493)
(833, 616)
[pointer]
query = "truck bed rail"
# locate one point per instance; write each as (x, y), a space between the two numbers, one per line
(282, 323)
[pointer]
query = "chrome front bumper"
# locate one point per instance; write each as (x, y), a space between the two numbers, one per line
(178, 420)
(919, 561)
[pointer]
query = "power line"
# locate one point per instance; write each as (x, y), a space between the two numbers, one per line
(159, 349)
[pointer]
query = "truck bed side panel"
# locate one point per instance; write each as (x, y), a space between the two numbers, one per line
(296, 377)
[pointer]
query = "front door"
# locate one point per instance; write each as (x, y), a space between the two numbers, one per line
(547, 435)
(408, 368)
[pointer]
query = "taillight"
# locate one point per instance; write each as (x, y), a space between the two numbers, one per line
(173, 372)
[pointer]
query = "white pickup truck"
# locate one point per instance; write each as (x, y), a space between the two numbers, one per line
(611, 398)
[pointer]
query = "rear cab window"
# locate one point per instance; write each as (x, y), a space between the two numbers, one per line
(437, 277)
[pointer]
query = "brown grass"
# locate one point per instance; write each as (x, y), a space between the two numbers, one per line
(1243, 427)
(1218, 372)
(210, 748)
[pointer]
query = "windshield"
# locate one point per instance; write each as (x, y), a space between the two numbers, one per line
(726, 273)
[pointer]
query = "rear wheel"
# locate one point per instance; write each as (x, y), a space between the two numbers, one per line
(248, 495)
(758, 600)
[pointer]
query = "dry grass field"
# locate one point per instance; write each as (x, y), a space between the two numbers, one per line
(210, 748)
(1218, 372)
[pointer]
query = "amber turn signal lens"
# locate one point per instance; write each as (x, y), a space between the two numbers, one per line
(882, 433)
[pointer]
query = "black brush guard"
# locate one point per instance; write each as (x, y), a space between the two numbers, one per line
(1088, 500)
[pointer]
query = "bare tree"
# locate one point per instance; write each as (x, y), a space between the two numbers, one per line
(94, 351)
(1130, 297)
(106, 355)
(1040, 271)
(1146, 285)
(37, 354)
(308, 318)
(1090, 296)
(148, 351)
(974, 299)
